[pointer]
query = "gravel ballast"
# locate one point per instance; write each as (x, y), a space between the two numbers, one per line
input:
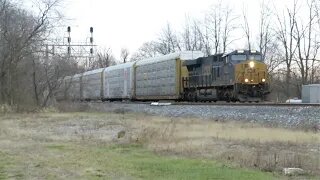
(283, 116)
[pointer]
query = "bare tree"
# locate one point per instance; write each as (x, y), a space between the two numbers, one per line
(315, 75)
(215, 26)
(48, 77)
(22, 34)
(186, 34)
(273, 58)
(205, 37)
(124, 55)
(168, 41)
(147, 50)
(192, 36)
(220, 24)
(265, 37)
(317, 11)
(105, 58)
(285, 34)
(307, 44)
(246, 27)
(268, 45)
(228, 27)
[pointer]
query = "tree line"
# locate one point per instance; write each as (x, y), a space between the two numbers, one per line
(27, 76)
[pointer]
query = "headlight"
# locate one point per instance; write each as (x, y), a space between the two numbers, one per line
(246, 80)
(251, 64)
(263, 80)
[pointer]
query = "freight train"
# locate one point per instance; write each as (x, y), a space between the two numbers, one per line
(187, 76)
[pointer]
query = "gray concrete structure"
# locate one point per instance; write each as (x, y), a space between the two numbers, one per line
(311, 93)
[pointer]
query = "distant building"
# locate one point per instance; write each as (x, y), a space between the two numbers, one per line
(311, 93)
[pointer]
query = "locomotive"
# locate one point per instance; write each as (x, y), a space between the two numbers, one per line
(237, 76)
(187, 75)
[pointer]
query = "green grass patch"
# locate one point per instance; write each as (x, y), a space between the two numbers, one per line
(135, 162)
(141, 163)
(3, 164)
(4, 161)
(7, 165)
(56, 147)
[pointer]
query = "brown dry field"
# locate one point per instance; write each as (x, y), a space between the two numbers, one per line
(238, 144)
(244, 144)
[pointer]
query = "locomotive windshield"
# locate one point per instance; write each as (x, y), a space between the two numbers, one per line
(243, 57)
(256, 57)
(239, 57)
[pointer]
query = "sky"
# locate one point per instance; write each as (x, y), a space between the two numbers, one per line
(129, 23)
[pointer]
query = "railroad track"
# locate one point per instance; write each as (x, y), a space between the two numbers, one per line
(163, 103)
(245, 104)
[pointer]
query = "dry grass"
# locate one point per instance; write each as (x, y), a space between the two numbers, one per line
(25, 138)
(199, 129)
(245, 144)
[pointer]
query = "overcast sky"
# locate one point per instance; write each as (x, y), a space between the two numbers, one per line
(129, 23)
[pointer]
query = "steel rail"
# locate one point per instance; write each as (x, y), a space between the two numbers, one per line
(174, 103)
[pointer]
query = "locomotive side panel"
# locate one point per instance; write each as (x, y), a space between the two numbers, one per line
(208, 72)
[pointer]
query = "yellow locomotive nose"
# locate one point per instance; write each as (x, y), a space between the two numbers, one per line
(251, 72)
